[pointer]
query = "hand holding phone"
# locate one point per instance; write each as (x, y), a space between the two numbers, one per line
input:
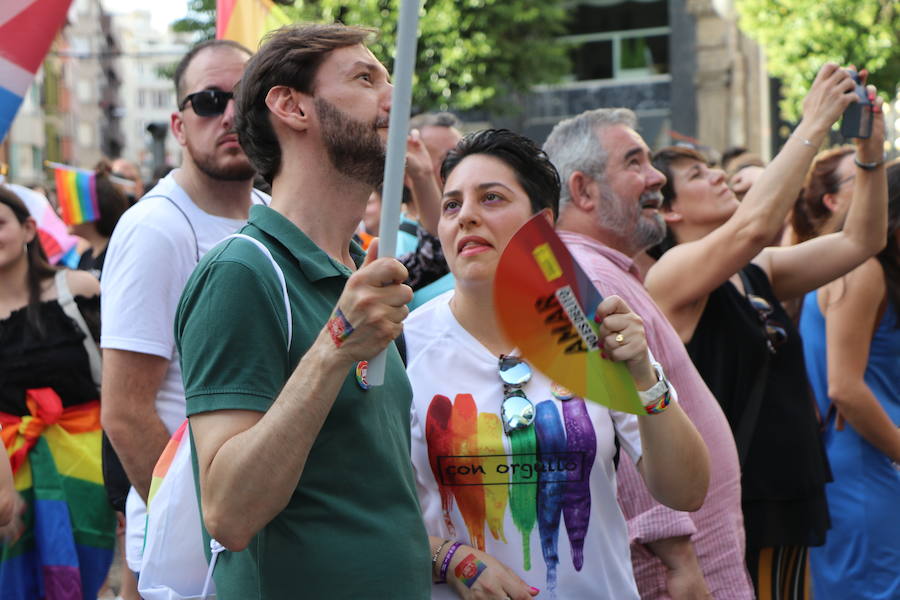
(857, 120)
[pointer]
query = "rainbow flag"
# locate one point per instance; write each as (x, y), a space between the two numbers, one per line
(67, 546)
(76, 193)
(247, 21)
(27, 28)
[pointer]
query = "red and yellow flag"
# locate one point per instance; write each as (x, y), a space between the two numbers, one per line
(247, 21)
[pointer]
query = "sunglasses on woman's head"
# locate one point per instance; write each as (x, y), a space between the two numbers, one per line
(776, 335)
(516, 411)
(207, 103)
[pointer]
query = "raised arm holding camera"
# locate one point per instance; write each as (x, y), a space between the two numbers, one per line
(722, 290)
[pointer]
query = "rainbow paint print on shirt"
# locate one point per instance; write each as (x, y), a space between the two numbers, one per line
(543, 479)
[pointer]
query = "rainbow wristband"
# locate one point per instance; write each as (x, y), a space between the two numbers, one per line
(442, 577)
(339, 327)
(658, 406)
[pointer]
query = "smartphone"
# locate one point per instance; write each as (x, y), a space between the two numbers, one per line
(857, 119)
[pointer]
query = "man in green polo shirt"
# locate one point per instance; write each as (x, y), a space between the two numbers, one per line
(304, 471)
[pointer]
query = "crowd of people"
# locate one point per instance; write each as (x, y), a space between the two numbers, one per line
(756, 306)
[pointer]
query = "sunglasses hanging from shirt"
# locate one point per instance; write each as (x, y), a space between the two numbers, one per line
(516, 410)
(207, 103)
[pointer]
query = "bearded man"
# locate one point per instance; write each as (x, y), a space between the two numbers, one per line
(154, 248)
(304, 470)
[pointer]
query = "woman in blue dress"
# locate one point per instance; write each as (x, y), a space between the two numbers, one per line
(851, 335)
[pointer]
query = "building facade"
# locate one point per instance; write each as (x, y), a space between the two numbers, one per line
(146, 63)
(682, 65)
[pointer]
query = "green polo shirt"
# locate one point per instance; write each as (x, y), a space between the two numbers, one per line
(352, 528)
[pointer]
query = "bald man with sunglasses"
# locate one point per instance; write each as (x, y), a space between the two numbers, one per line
(153, 250)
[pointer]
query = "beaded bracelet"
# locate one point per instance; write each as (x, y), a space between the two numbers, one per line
(442, 577)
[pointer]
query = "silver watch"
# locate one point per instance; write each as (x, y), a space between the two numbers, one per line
(658, 390)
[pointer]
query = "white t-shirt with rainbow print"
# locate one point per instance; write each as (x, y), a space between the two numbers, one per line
(543, 500)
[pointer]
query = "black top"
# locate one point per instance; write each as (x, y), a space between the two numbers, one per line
(786, 468)
(57, 359)
(93, 265)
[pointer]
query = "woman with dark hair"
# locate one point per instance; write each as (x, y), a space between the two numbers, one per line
(112, 203)
(851, 340)
(50, 414)
(487, 429)
(722, 289)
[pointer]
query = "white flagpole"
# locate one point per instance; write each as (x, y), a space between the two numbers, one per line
(401, 101)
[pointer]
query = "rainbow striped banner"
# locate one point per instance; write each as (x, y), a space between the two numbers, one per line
(76, 193)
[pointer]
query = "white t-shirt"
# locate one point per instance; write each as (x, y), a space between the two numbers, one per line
(555, 487)
(152, 252)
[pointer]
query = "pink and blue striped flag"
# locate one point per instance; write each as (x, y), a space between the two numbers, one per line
(27, 28)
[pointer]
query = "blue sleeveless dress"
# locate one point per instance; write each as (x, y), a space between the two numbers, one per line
(861, 555)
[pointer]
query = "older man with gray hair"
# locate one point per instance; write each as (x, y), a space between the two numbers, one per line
(608, 216)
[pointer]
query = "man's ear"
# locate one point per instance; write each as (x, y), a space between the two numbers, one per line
(583, 191)
(289, 106)
(830, 202)
(177, 126)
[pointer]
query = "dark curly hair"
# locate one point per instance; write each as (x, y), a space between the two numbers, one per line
(288, 56)
(534, 171)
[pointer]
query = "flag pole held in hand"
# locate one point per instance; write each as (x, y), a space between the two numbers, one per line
(401, 100)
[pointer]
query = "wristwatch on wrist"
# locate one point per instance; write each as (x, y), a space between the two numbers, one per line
(658, 390)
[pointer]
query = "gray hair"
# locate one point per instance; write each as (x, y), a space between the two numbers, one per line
(439, 119)
(574, 145)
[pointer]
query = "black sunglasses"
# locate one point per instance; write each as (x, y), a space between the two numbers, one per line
(207, 103)
(516, 411)
(776, 335)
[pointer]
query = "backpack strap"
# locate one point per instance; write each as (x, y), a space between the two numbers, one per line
(67, 302)
(287, 302)
(186, 218)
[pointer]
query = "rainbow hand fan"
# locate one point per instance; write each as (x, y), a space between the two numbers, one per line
(545, 304)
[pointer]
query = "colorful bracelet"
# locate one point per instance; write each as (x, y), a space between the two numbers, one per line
(659, 406)
(339, 327)
(442, 577)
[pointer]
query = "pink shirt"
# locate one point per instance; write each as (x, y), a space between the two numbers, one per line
(717, 529)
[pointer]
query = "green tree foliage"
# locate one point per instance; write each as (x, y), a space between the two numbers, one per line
(201, 19)
(798, 36)
(472, 54)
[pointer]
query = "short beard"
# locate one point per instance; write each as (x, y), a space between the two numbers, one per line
(626, 220)
(354, 147)
(208, 166)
